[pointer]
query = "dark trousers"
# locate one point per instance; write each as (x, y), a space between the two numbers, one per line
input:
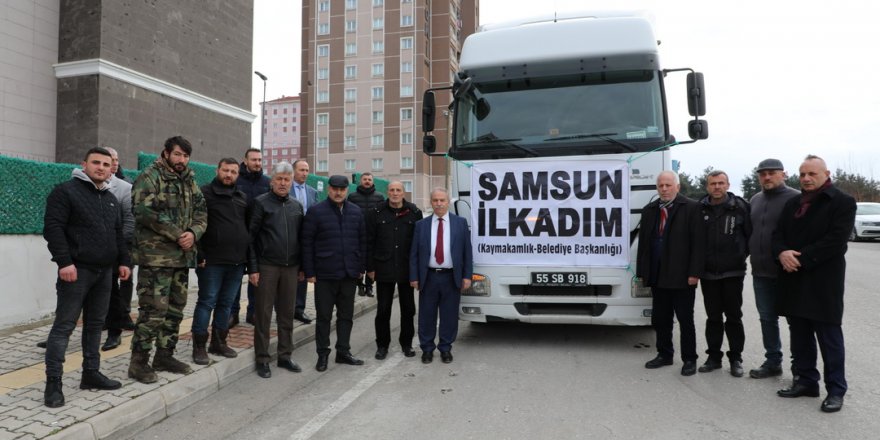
(236, 303)
(89, 294)
(385, 300)
(119, 307)
(678, 303)
(440, 296)
(804, 334)
(301, 289)
(723, 299)
(275, 291)
(339, 294)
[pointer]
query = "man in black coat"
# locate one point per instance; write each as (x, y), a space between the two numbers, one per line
(334, 247)
(252, 182)
(670, 261)
(810, 242)
(390, 227)
(366, 197)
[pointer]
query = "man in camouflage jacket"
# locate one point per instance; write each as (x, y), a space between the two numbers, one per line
(170, 217)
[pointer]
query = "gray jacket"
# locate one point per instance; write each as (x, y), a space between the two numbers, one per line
(766, 207)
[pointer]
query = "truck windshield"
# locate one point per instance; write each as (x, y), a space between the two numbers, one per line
(596, 113)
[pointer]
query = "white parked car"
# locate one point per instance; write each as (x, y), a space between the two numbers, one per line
(867, 222)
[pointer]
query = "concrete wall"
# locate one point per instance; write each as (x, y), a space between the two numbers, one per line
(27, 281)
(28, 48)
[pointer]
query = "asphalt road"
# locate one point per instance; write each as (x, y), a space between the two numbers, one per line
(511, 381)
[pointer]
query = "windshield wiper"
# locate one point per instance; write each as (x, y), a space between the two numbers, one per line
(604, 136)
(489, 139)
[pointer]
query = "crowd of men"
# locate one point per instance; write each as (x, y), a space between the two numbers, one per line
(273, 228)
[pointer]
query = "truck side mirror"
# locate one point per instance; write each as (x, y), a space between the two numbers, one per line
(429, 144)
(428, 112)
(696, 94)
(698, 129)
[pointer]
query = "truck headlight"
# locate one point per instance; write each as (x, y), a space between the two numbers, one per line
(480, 286)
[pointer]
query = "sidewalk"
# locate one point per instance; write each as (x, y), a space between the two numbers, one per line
(122, 413)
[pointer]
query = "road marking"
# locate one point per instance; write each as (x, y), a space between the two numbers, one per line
(332, 410)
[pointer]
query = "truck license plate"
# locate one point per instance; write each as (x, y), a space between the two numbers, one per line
(559, 279)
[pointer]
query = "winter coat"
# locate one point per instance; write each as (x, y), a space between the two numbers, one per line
(334, 241)
(251, 184)
(83, 225)
(728, 227)
(166, 205)
(682, 252)
(276, 232)
(815, 291)
(389, 238)
(366, 198)
(227, 238)
(766, 207)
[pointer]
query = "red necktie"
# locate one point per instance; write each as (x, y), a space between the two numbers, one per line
(438, 249)
(663, 214)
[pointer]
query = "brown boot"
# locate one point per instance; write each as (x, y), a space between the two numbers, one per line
(139, 369)
(200, 356)
(164, 361)
(218, 344)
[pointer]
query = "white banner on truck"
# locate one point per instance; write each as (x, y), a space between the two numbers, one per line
(562, 213)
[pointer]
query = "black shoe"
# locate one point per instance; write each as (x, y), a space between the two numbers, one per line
(302, 317)
(128, 325)
(263, 370)
(114, 339)
(658, 362)
(798, 390)
(233, 320)
(53, 397)
(368, 291)
(832, 404)
(42, 344)
(361, 291)
(446, 357)
(322, 362)
(249, 318)
(289, 365)
(736, 368)
(709, 365)
(765, 371)
(94, 380)
(689, 368)
(427, 358)
(408, 352)
(347, 358)
(381, 353)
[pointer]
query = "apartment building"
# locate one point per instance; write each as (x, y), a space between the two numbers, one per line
(281, 130)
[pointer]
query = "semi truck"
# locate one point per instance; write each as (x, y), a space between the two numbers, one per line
(559, 128)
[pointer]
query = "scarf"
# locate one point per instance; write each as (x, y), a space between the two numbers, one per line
(807, 198)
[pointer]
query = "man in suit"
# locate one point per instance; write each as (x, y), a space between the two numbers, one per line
(441, 265)
(307, 197)
(671, 260)
(810, 242)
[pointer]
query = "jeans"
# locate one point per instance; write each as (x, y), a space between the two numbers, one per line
(89, 294)
(218, 285)
(236, 302)
(765, 300)
(723, 301)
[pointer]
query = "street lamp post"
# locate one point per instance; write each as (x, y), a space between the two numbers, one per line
(262, 110)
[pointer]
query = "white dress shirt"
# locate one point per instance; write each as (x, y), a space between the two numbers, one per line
(447, 247)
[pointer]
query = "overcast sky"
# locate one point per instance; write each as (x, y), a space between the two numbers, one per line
(783, 78)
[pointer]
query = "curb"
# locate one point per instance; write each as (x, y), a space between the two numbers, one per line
(138, 414)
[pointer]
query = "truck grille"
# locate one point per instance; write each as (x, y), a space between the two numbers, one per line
(593, 290)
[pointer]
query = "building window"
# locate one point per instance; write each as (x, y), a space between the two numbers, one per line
(407, 186)
(351, 4)
(378, 2)
(378, 140)
(323, 28)
(406, 138)
(378, 116)
(284, 152)
(350, 118)
(406, 67)
(406, 20)
(324, 50)
(350, 143)
(322, 166)
(406, 91)
(406, 114)
(323, 96)
(350, 164)
(351, 26)
(406, 163)
(324, 6)
(406, 43)
(378, 23)
(323, 73)
(351, 72)
(351, 48)
(323, 118)
(378, 69)
(378, 93)
(322, 142)
(378, 46)
(350, 95)
(377, 164)
(406, 1)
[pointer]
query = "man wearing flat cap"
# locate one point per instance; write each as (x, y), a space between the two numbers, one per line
(766, 207)
(334, 243)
